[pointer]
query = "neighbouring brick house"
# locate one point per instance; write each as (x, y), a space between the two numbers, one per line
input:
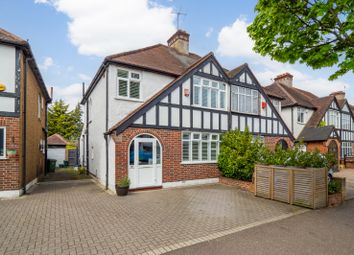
(23, 111)
(156, 115)
(323, 123)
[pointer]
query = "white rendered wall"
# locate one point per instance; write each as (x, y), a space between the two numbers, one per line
(150, 84)
(294, 126)
(7, 67)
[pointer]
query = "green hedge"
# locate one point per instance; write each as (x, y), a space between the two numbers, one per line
(240, 151)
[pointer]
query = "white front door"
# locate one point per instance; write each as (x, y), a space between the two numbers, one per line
(145, 162)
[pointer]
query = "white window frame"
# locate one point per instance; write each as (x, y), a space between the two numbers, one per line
(200, 141)
(347, 149)
(39, 106)
(300, 118)
(220, 87)
(4, 143)
(346, 121)
(129, 80)
(236, 95)
(334, 118)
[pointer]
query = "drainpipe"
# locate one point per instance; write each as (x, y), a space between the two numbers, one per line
(45, 139)
(292, 120)
(24, 130)
(105, 135)
(87, 139)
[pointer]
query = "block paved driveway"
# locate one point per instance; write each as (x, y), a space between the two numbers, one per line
(78, 217)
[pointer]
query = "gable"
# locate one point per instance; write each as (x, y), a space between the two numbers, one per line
(175, 107)
(346, 108)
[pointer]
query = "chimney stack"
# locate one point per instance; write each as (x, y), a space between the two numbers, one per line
(179, 41)
(340, 95)
(285, 78)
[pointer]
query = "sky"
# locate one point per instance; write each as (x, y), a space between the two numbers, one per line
(70, 38)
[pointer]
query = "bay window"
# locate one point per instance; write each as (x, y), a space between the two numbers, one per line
(244, 100)
(200, 147)
(347, 149)
(208, 93)
(128, 84)
(2, 142)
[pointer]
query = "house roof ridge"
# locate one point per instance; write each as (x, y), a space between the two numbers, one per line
(125, 53)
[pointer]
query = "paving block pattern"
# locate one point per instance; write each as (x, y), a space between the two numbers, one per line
(78, 217)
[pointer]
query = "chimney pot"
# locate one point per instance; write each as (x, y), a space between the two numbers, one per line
(285, 78)
(179, 41)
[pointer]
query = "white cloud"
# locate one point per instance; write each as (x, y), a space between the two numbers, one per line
(40, 1)
(103, 27)
(71, 94)
(234, 41)
(48, 62)
(84, 77)
(209, 32)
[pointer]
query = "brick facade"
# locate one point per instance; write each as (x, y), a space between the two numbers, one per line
(271, 141)
(10, 167)
(172, 169)
(322, 146)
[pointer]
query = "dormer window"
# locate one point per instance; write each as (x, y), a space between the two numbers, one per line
(128, 84)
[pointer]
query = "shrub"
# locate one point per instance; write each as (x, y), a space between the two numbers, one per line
(297, 158)
(238, 154)
(124, 182)
(334, 186)
(82, 170)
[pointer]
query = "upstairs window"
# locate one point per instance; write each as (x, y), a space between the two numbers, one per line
(40, 107)
(244, 100)
(345, 121)
(208, 93)
(128, 85)
(334, 118)
(2, 142)
(300, 115)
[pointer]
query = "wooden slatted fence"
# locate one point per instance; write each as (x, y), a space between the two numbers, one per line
(299, 186)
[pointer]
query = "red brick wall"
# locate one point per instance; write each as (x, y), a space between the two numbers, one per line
(271, 141)
(172, 169)
(10, 167)
(170, 141)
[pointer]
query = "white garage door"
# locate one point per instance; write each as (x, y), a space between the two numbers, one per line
(58, 154)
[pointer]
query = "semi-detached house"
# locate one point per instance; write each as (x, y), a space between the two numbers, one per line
(324, 123)
(156, 115)
(23, 111)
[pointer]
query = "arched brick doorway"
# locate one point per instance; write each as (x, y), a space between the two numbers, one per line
(333, 148)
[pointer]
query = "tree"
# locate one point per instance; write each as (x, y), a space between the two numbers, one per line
(64, 122)
(318, 33)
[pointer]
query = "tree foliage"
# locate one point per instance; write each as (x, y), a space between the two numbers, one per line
(318, 33)
(64, 122)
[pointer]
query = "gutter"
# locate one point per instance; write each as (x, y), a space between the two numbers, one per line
(24, 130)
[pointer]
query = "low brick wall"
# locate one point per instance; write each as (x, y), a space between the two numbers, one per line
(244, 185)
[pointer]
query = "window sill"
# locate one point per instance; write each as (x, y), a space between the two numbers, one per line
(197, 162)
(129, 99)
(209, 108)
(300, 123)
(2, 158)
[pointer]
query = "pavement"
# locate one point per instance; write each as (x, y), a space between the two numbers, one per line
(78, 217)
(349, 179)
(326, 231)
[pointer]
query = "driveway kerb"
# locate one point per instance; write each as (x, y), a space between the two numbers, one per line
(214, 236)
